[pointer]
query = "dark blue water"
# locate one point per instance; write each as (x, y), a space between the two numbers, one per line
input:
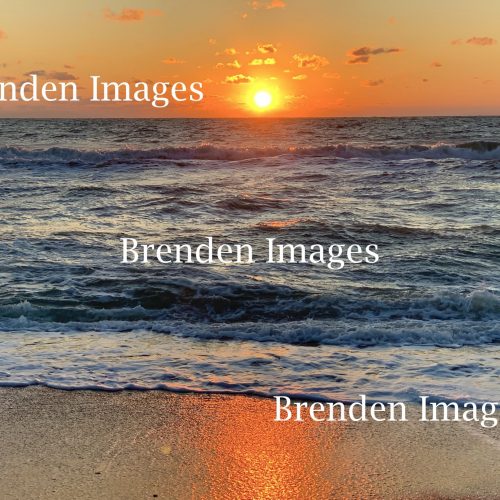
(425, 318)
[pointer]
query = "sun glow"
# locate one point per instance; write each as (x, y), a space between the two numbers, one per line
(262, 99)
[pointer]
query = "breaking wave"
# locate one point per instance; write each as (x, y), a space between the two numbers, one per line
(444, 320)
(478, 150)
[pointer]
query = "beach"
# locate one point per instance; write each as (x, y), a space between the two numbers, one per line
(159, 444)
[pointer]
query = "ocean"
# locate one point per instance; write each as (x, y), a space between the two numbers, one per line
(422, 320)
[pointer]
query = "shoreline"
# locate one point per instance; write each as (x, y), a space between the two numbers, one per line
(293, 396)
(138, 444)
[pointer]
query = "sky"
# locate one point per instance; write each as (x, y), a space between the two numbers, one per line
(314, 57)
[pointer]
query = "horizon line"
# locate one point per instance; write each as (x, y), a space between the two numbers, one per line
(244, 117)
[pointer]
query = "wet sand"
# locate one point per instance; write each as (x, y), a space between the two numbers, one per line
(86, 445)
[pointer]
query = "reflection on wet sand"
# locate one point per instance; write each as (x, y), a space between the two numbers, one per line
(240, 452)
(88, 445)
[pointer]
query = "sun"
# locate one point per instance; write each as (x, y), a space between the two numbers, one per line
(262, 99)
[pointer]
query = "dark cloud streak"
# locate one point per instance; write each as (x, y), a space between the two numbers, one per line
(363, 54)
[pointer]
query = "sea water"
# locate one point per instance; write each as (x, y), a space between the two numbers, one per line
(423, 320)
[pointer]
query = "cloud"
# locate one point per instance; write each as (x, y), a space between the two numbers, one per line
(367, 51)
(481, 40)
(235, 64)
(299, 77)
(68, 66)
(436, 64)
(54, 75)
(268, 4)
(267, 48)
(332, 76)
(125, 15)
(230, 51)
(238, 79)
(3, 35)
(363, 54)
(269, 61)
(61, 75)
(172, 60)
(359, 60)
(373, 83)
(212, 41)
(37, 72)
(310, 61)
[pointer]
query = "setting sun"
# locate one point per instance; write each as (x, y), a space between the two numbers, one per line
(262, 99)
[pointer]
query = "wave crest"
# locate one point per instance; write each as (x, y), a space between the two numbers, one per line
(279, 315)
(478, 150)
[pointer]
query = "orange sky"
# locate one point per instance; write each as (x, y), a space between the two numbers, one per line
(317, 57)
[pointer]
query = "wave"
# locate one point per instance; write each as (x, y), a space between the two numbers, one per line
(478, 150)
(228, 302)
(145, 361)
(355, 334)
(447, 319)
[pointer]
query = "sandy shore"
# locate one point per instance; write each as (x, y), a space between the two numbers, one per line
(82, 444)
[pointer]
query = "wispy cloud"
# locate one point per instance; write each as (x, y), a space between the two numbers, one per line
(61, 75)
(234, 64)
(367, 51)
(481, 40)
(172, 60)
(269, 61)
(299, 77)
(238, 79)
(267, 48)
(268, 4)
(125, 15)
(373, 83)
(310, 61)
(37, 72)
(436, 64)
(130, 15)
(52, 75)
(363, 54)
